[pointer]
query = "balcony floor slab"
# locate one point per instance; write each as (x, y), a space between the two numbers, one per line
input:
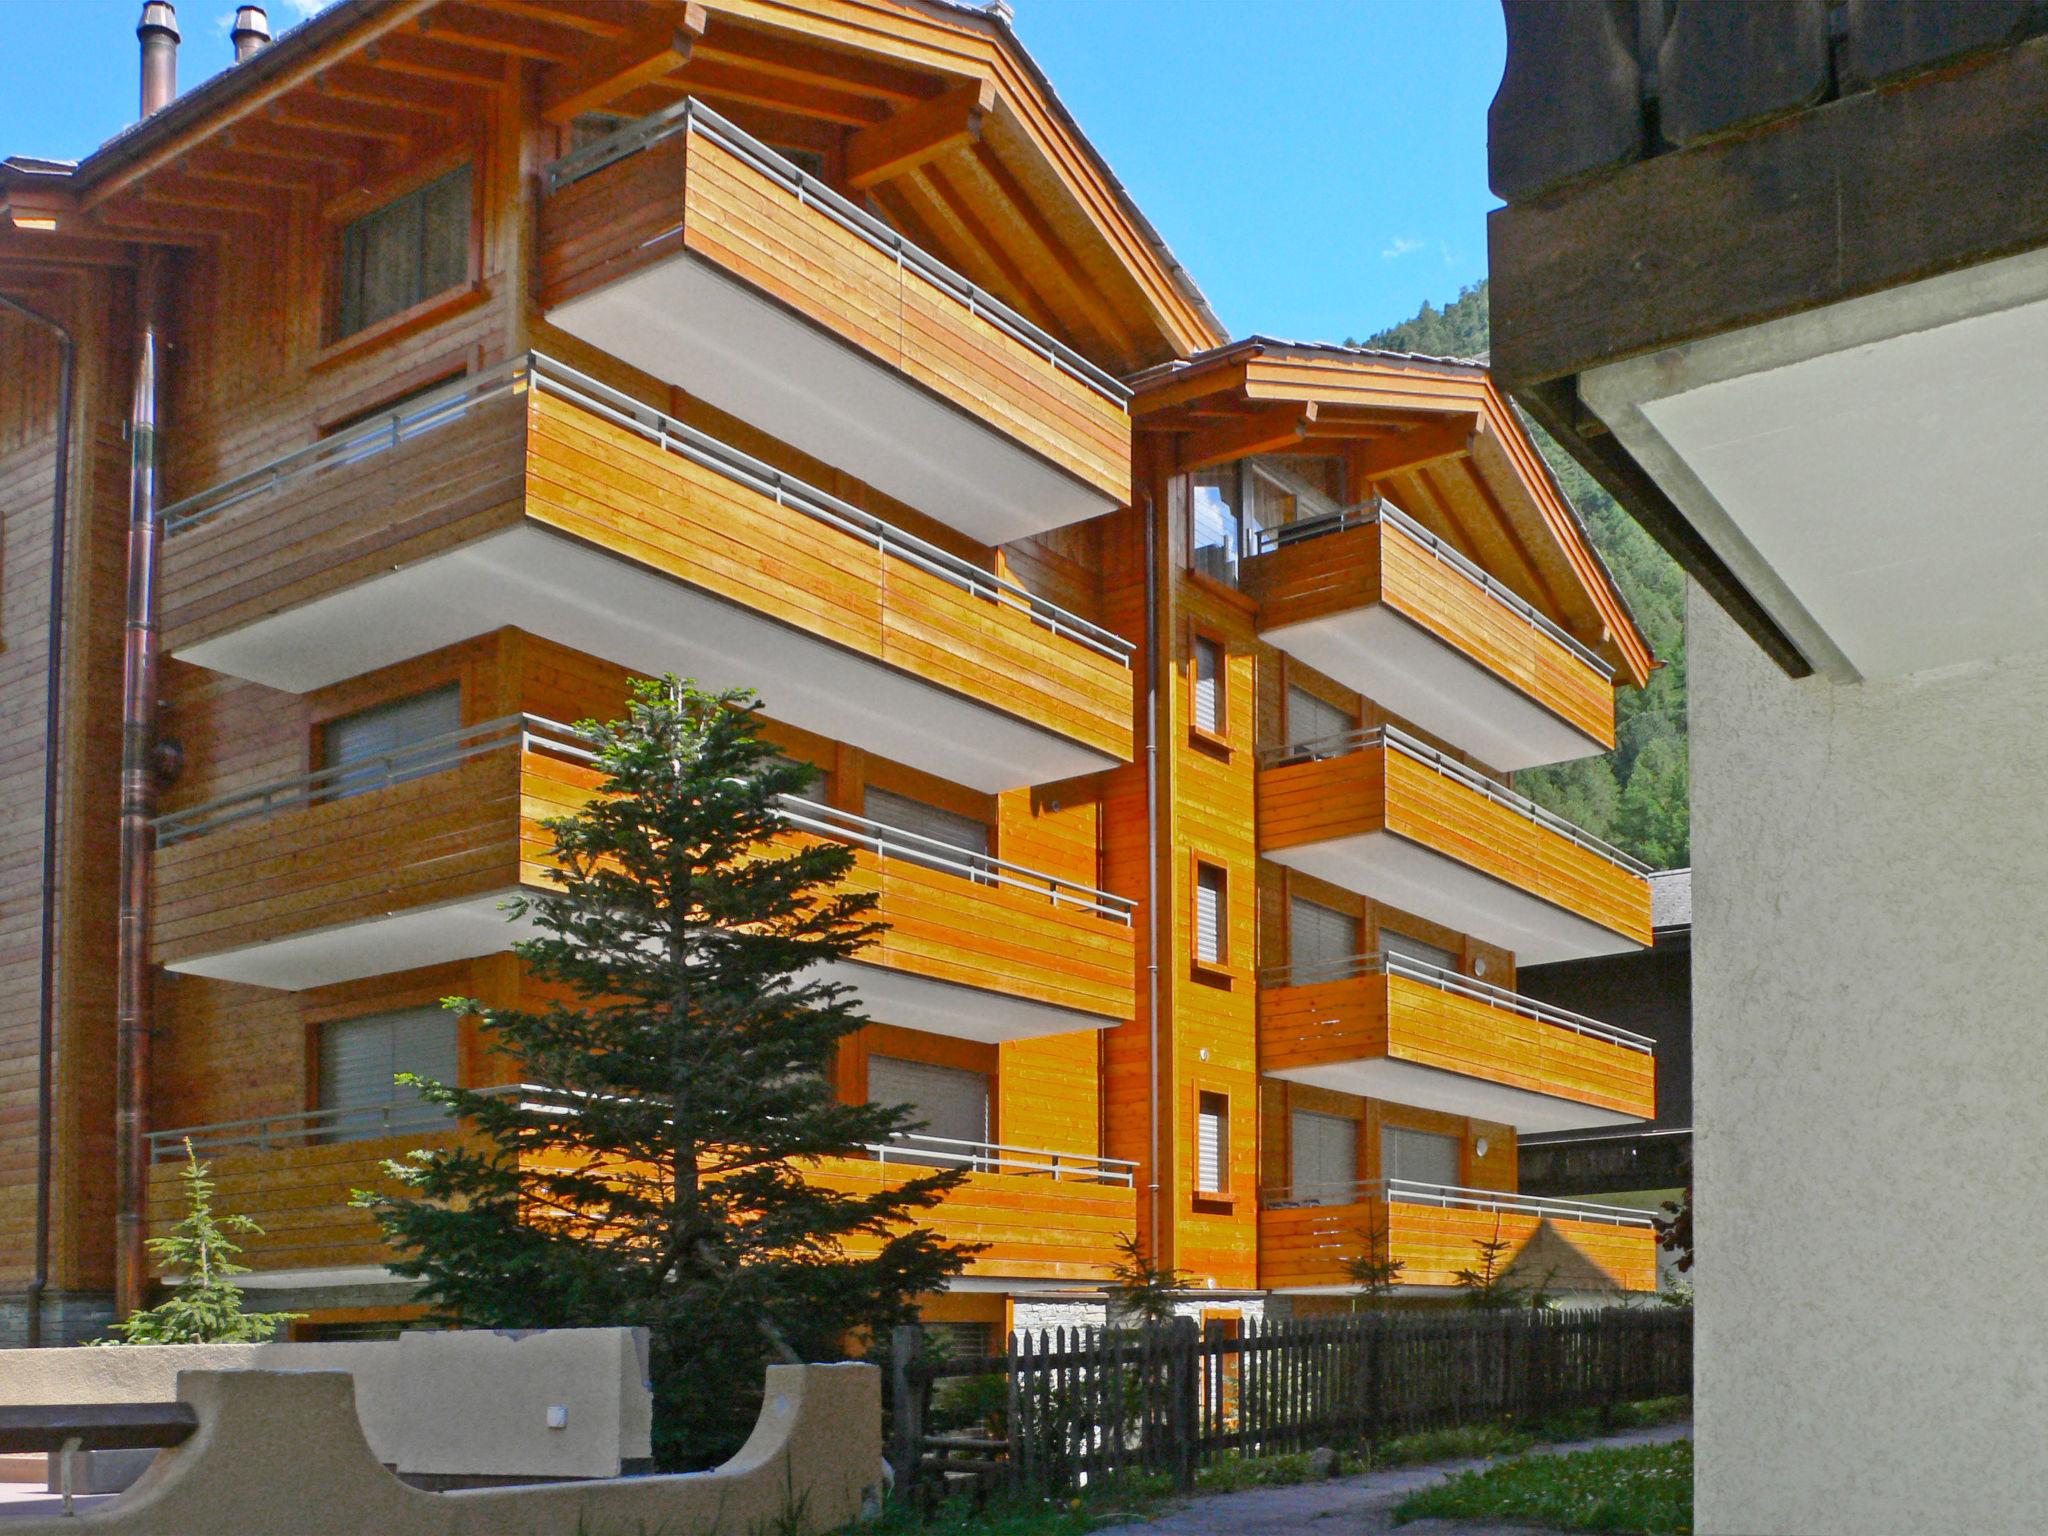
(1453, 1093)
(578, 596)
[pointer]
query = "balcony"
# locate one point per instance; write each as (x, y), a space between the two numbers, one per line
(534, 496)
(404, 861)
(1044, 1215)
(1387, 1027)
(1305, 1237)
(1380, 813)
(699, 255)
(1376, 601)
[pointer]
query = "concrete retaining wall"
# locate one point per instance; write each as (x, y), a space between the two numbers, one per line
(464, 1403)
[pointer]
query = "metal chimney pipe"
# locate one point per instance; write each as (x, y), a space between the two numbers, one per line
(252, 31)
(158, 31)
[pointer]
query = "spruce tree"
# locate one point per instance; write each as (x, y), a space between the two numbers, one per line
(654, 1173)
(205, 1305)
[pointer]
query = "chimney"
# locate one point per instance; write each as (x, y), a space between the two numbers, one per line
(159, 33)
(252, 31)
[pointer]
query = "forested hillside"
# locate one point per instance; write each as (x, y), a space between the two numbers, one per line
(1637, 796)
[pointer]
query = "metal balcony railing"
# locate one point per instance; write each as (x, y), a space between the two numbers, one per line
(531, 733)
(442, 408)
(398, 1116)
(994, 1157)
(1450, 1197)
(1387, 515)
(1346, 742)
(1456, 983)
(692, 116)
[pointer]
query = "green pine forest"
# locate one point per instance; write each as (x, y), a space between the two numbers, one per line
(1636, 796)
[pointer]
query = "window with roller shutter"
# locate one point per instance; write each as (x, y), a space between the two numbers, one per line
(1212, 915)
(1209, 685)
(1319, 940)
(951, 1103)
(1313, 719)
(360, 1060)
(961, 833)
(1421, 1157)
(1212, 1144)
(359, 744)
(1400, 945)
(1323, 1158)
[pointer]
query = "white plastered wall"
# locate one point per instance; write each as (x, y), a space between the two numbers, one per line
(1870, 977)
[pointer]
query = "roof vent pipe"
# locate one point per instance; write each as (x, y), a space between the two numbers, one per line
(158, 31)
(252, 31)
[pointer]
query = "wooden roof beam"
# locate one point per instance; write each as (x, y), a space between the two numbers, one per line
(615, 68)
(517, 36)
(968, 226)
(702, 77)
(784, 56)
(1420, 447)
(385, 126)
(918, 135)
(435, 59)
(252, 167)
(378, 88)
(600, 18)
(1076, 284)
(1264, 432)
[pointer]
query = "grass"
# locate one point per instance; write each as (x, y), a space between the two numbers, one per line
(1637, 1490)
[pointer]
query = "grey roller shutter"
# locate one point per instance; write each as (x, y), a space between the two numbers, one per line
(1323, 1157)
(966, 837)
(364, 739)
(1311, 719)
(1208, 685)
(360, 1060)
(1319, 940)
(1211, 915)
(952, 1102)
(1399, 944)
(1212, 1143)
(1421, 1157)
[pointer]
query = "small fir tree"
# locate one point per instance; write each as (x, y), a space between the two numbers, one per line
(1141, 1291)
(656, 1174)
(1492, 1284)
(1374, 1269)
(205, 1306)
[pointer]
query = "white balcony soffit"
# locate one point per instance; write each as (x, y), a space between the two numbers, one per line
(687, 323)
(1453, 1093)
(1432, 885)
(605, 605)
(1871, 470)
(477, 926)
(1406, 669)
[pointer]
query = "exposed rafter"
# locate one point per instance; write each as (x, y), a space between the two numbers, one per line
(918, 135)
(611, 70)
(519, 36)
(960, 215)
(780, 56)
(1269, 431)
(1076, 286)
(379, 88)
(1425, 445)
(436, 59)
(385, 125)
(718, 81)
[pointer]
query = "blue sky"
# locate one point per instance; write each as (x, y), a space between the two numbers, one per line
(1319, 165)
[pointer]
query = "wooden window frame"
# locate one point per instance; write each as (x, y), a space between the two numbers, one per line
(339, 213)
(1216, 742)
(1214, 1201)
(1220, 972)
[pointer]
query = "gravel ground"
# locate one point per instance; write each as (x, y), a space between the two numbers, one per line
(1355, 1506)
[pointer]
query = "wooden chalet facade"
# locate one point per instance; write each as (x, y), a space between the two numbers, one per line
(503, 350)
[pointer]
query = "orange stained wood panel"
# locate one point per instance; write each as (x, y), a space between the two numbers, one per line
(298, 1194)
(1380, 562)
(1307, 1245)
(691, 193)
(1381, 789)
(941, 925)
(536, 460)
(1036, 1227)
(1377, 1016)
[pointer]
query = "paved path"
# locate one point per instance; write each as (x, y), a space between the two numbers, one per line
(1355, 1506)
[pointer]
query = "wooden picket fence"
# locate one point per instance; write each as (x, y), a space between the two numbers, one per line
(1066, 1407)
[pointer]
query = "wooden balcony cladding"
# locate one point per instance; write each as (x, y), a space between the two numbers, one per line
(1036, 1227)
(1305, 1247)
(1317, 593)
(571, 511)
(1378, 1016)
(942, 926)
(689, 185)
(299, 1195)
(1329, 814)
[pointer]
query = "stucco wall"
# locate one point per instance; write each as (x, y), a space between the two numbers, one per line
(1871, 1082)
(444, 1402)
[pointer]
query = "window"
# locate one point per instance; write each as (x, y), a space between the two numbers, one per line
(961, 1341)
(1314, 720)
(404, 253)
(1320, 940)
(1420, 1157)
(1292, 495)
(1210, 686)
(1405, 948)
(1214, 523)
(360, 1058)
(367, 741)
(950, 1104)
(964, 833)
(1322, 1158)
(1212, 1143)
(1212, 915)
(588, 128)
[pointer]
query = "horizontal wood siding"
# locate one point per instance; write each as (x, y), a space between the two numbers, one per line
(1036, 1227)
(1345, 572)
(298, 1195)
(1307, 1246)
(1380, 789)
(1369, 1017)
(941, 925)
(441, 838)
(690, 193)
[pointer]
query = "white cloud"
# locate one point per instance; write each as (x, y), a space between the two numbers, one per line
(1399, 246)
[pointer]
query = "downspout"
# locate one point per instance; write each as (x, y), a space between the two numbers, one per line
(134, 1015)
(1152, 797)
(46, 981)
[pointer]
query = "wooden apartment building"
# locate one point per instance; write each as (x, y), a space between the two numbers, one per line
(443, 363)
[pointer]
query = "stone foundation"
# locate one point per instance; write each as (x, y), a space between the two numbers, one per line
(68, 1317)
